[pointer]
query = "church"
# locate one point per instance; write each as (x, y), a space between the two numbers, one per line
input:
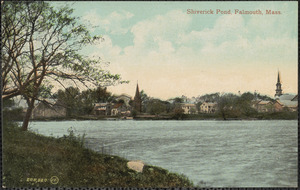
(137, 101)
(289, 101)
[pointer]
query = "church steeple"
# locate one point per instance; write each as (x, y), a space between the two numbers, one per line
(278, 86)
(137, 101)
(278, 78)
(137, 92)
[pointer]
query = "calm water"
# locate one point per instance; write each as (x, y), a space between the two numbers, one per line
(210, 153)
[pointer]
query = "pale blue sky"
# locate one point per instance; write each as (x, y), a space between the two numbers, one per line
(172, 53)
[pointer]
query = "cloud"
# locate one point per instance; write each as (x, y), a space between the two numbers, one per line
(170, 59)
(112, 23)
(167, 27)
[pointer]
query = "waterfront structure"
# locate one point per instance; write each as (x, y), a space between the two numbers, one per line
(278, 86)
(137, 101)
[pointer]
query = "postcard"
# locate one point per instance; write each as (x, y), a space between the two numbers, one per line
(149, 94)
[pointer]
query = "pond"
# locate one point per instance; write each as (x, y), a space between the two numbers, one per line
(210, 153)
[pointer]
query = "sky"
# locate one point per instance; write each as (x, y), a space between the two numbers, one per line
(172, 53)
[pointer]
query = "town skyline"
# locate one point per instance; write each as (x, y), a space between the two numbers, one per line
(173, 53)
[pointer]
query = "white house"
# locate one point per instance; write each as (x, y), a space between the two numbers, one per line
(208, 107)
(188, 108)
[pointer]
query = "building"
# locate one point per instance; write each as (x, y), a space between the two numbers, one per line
(264, 106)
(208, 107)
(137, 101)
(188, 108)
(125, 97)
(288, 101)
(48, 109)
(120, 109)
(278, 86)
(102, 109)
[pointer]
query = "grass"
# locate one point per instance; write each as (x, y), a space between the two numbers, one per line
(30, 160)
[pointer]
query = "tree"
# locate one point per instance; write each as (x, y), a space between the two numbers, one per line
(69, 98)
(210, 97)
(178, 113)
(41, 44)
(227, 105)
(156, 106)
(244, 104)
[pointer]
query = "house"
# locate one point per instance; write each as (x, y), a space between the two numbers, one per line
(208, 107)
(102, 109)
(188, 108)
(120, 109)
(48, 109)
(125, 97)
(264, 106)
(283, 102)
(288, 101)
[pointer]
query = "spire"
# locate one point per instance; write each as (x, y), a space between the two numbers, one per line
(278, 86)
(278, 78)
(137, 92)
(137, 101)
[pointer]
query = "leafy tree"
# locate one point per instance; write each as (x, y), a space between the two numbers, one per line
(244, 104)
(41, 43)
(178, 100)
(198, 104)
(214, 97)
(156, 106)
(69, 98)
(178, 113)
(227, 105)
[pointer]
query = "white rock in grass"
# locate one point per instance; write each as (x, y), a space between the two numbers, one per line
(136, 165)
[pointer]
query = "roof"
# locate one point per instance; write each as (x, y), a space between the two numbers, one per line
(286, 97)
(123, 95)
(100, 104)
(263, 102)
(295, 98)
(209, 103)
(185, 104)
(288, 103)
(117, 105)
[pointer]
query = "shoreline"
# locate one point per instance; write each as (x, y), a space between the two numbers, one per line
(78, 166)
(216, 119)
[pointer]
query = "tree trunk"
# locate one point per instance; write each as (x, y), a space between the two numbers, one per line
(28, 114)
(223, 115)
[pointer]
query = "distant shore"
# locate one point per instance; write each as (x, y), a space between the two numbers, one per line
(259, 116)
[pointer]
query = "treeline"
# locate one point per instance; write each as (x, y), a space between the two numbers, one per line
(81, 103)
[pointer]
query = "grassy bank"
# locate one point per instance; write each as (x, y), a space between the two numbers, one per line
(31, 160)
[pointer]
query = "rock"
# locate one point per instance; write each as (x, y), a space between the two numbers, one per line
(136, 165)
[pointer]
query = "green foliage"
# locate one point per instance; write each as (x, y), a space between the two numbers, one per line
(81, 103)
(178, 113)
(133, 113)
(214, 97)
(28, 155)
(10, 112)
(156, 106)
(56, 56)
